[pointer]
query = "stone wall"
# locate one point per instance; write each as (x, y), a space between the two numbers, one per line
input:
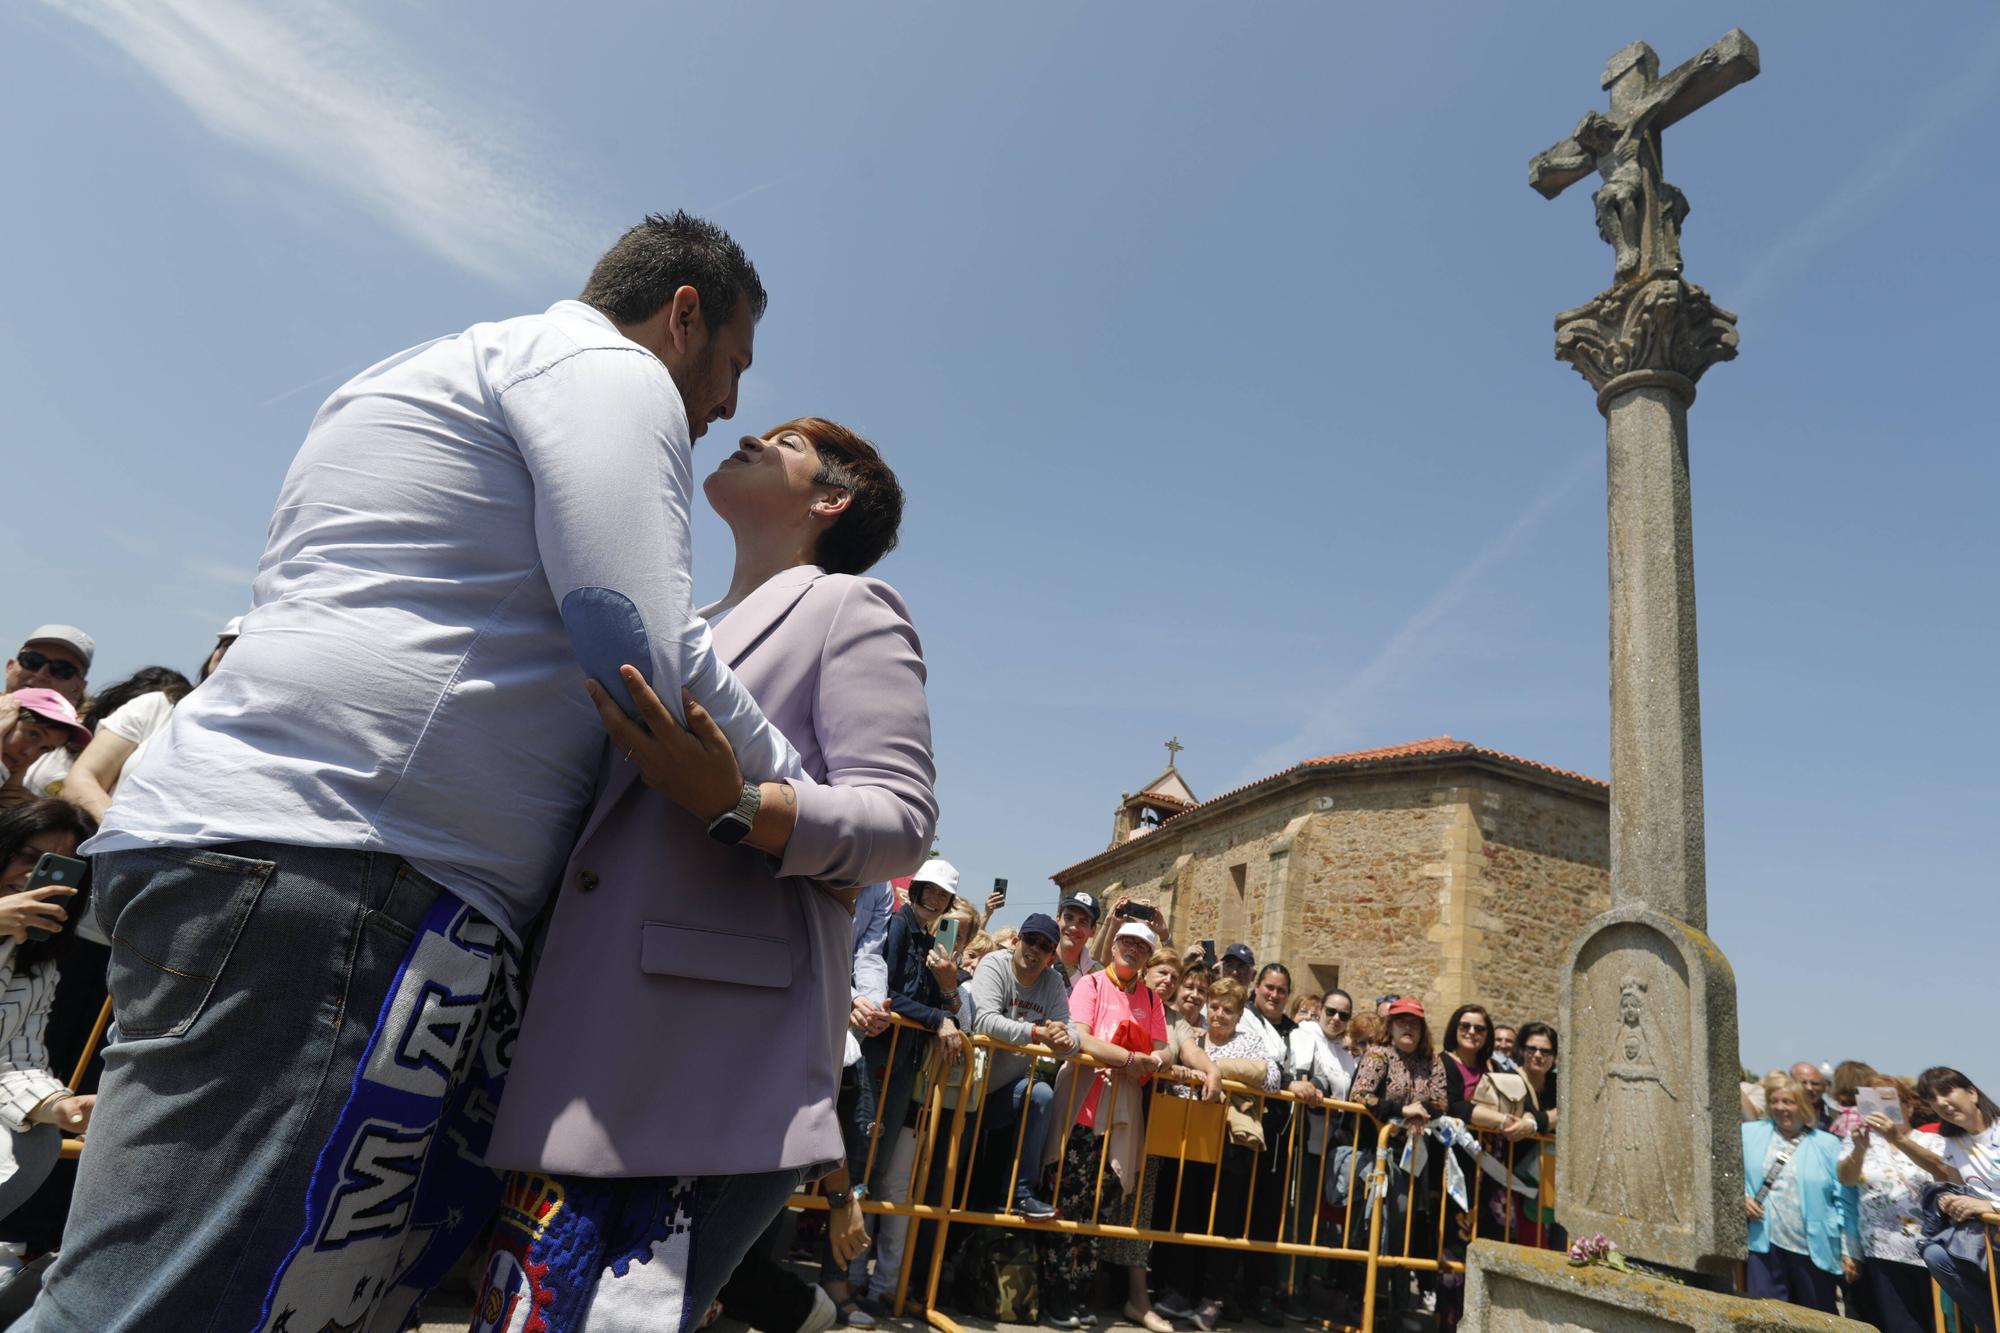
(1440, 881)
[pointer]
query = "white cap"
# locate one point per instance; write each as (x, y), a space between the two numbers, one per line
(1138, 930)
(233, 629)
(80, 643)
(936, 871)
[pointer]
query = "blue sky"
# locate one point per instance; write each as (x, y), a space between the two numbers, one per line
(1213, 349)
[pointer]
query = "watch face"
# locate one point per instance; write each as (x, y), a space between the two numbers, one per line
(731, 828)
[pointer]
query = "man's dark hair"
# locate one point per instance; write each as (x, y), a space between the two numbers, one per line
(660, 256)
(868, 529)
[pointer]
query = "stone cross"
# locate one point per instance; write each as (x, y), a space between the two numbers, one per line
(1638, 213)
(1174, 748)
(1650, 1149)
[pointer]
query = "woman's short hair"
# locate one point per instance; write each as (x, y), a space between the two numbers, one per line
(1366, 1028)
(1310, 1002)
(1006, 937)
(1849, 1077)
(1228, 991)
(1485, 1042)
(1936, 1081)
(1781, 1080)
(1164, 958)
(867, 530)
(978, 946)
(1527, 1030)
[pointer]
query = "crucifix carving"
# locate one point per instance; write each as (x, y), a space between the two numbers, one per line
(1639, 213)
(1174, 748)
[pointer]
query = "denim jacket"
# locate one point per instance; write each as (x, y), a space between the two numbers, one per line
(913, 992)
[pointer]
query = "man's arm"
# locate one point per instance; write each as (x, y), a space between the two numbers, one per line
(871, 933)
(604, 437)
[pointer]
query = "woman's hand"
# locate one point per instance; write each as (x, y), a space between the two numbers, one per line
(1850, 1266)
(1752, 1209)
(1884, 1126)
(950, 1040)
(1964, 1207)
(1305, 1092)
(69, 1113)
(1518, 1127)
(1211, 1085)
(1416, 1115)
(847, 1231)
(35, 909)
(692, 766)
(943, 968)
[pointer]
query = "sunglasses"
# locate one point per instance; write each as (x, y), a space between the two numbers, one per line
(1339, 1013)
(1387, 999)
(1547, 1052)
(32, 661)
(1038, 944)
(1476, 1029)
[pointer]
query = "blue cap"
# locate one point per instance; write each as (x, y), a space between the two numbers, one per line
(1041, 923)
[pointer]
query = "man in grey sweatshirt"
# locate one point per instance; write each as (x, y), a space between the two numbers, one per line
(1018, 998)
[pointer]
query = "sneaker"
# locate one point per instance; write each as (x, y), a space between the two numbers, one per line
(1035, 1210)
(1267, 1313)
(823, 1314)
(1173, 1305)
(1207, 1315)
(1063, 1319)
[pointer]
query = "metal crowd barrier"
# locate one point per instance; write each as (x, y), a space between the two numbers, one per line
(952, 1095)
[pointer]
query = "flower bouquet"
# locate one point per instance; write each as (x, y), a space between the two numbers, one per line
(1598, 1251)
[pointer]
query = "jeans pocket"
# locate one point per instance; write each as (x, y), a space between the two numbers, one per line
(173, 935)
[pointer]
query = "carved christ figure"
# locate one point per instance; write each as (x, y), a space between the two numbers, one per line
(1635, 1109)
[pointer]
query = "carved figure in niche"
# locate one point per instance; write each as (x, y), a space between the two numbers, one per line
(1635, 1110)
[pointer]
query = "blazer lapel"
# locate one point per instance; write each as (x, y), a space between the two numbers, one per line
(740, 631)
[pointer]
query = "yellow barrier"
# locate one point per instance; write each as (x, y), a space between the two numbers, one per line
(1954, 1324)
(1344, 1125)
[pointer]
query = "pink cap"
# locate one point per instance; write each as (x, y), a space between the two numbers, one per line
(52, 707)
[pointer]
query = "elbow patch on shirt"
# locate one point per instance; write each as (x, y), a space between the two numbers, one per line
(606, 632)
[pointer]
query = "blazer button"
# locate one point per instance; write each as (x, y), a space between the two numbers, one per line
(586, 880)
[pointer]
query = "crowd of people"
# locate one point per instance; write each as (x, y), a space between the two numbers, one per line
(475, 803)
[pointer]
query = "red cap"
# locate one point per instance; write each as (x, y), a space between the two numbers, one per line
(1414, 1008)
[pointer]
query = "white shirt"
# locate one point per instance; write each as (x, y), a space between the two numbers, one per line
(140, 721)
(467, 524)
(1976, 1157)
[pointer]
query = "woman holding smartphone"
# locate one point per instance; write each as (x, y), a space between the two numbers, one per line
(35, 1105)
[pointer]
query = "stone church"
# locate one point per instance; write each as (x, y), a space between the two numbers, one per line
(1436, 869)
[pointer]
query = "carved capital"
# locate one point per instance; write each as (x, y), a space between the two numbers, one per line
(1662, 330)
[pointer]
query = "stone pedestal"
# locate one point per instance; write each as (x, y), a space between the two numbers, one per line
(1652, 1149)
(1510, 1289)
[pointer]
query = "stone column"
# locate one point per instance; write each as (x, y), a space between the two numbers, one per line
(1650, 1150)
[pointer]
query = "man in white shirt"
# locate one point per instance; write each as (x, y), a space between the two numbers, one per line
(318, 883)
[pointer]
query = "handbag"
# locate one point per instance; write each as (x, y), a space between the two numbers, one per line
(1183, 1128)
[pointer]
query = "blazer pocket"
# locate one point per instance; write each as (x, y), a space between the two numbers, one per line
(715, 955)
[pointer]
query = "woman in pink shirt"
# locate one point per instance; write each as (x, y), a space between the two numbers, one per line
(1115, 1005)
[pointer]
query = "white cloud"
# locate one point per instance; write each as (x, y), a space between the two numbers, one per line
(1342, 716)
(317, 90)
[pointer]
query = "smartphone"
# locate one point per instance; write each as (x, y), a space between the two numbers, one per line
(1141, 912)
(947, 935)
(1000, 889)
(1208, 953)
(55, 868)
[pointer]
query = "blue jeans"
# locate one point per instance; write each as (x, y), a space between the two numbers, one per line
(1965, 1282)
(260, 1157)
(1004, 1108)
(1783, 1275)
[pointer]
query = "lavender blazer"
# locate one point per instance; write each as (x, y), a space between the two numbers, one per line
(687, 1013)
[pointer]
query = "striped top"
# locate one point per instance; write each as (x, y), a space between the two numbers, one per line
(25, 1080)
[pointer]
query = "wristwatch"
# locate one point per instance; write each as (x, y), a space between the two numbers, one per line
(733, 825)
(841, 1198)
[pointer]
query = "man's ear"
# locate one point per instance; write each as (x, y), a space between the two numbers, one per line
(684, 321)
